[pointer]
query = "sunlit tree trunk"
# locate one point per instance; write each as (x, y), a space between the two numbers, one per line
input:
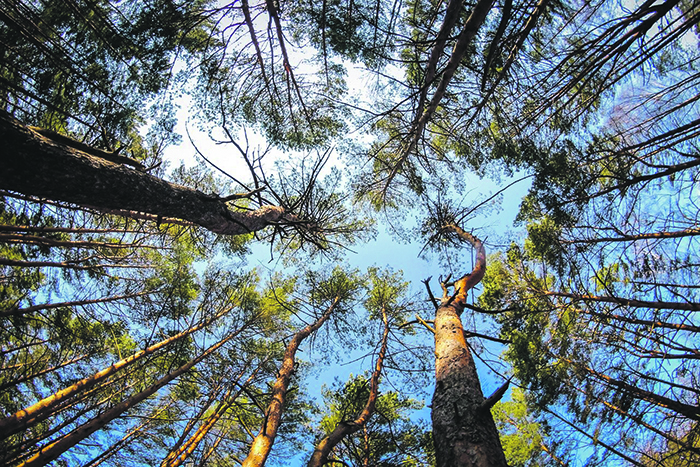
(464, 432)
(178, 456)
(53, 450)
(262, 444)
(43, 409)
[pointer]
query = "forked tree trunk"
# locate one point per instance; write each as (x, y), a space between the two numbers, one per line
(262, 444)
(464, 432)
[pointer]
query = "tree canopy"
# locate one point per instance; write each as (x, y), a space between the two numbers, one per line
(163, 314)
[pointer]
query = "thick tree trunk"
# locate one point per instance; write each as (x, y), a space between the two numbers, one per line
(36, 165)
(262, 444)
(464, 432)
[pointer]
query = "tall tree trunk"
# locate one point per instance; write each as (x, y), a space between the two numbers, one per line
(464, 432)
(262, 444)
(15, 311)
(134, 433)
(423, 115)
(43, 409)
(345, 428)
(34, 164)
(178, 456)
(53, 450)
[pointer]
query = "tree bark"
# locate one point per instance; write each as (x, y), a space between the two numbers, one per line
(464, 432)
(36, 165)
(262, 444)
(345, 428)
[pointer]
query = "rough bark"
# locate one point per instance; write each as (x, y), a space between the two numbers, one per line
(36, 165)
(464, 432)
(262, 444)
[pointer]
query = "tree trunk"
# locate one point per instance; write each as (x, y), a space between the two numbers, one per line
(53, 450)
(345, 428)
(36, 165)
(43, 409)
(464, 432)
(469, 30)
(15, 311)
(178, 456)
(630, 302)
(262, 444)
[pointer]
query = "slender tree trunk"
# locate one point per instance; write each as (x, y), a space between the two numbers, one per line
(659, 305)
(53, 450)
(625, 237)
(262, 444)
(48, 306)
(213, 397)
(464, 432)
(43, 409)
(423, 115)
(24, 239)
(125, 440)
(345, 428)
(687, 410)
(595, 439)
(176, 458)
(34, 164)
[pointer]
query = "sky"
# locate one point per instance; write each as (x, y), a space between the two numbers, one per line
(383, 251)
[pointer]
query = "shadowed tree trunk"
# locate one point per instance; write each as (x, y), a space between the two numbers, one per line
(464, 432)
(34, 164)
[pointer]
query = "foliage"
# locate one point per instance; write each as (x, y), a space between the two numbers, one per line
(594, 298)
(389, 438)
